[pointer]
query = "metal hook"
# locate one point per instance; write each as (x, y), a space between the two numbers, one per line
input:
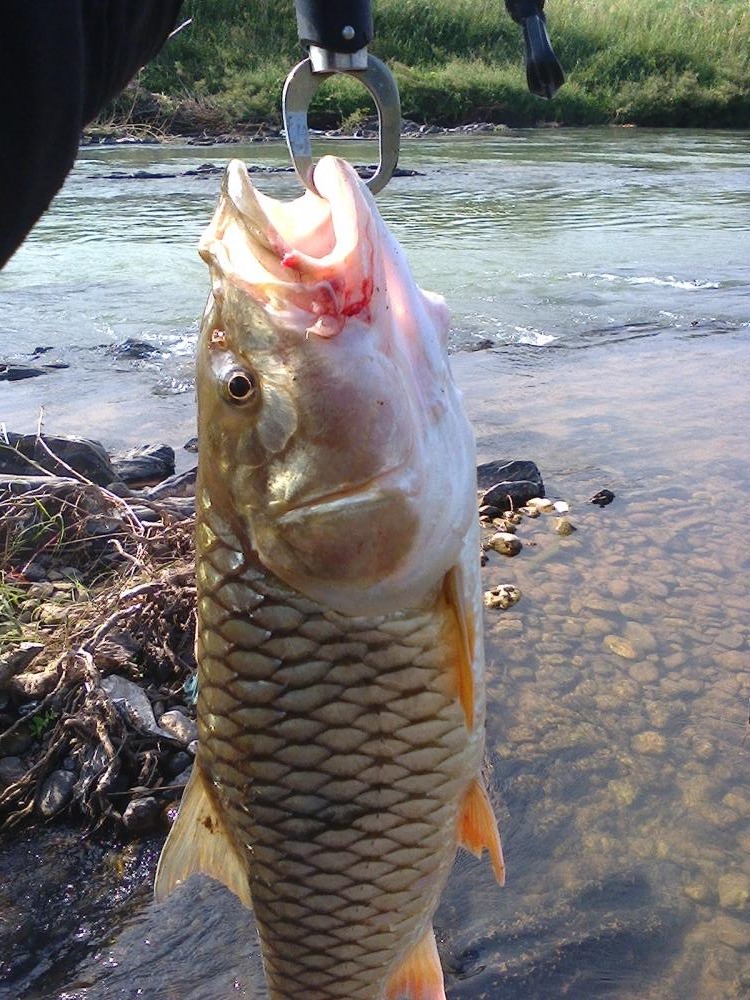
(300, 88)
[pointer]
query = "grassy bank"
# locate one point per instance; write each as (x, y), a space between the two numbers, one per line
(686, 63)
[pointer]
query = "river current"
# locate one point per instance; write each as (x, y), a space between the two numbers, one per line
(600, 289)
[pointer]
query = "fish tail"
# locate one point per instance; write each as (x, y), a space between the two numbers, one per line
(198, 842)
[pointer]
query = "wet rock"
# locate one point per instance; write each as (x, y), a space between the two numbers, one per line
(183, 777)
(89, 458)
(16, 741)
(489, 511)
(175, 763)
(56, 792)
(191, 445)
(640, 637)
(17, 661)
(503, 596)
(192, 748)
(542, 504)
(699, 892)
(142, 815)
(505, 543)
(133, 704)
(533, 512)
(602, 498)
(181, 485)
(561, 507)
(564, 527)
(644, 673)
(621, 647)
(650, 743)
(509, 483)
(624, 791)
(17, 373)
(731, 931)
(179, 725)
(146, 465)
(734, 891)
(11, 770)
(135, 350)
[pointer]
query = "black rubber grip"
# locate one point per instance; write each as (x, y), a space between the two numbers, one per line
(335, 25)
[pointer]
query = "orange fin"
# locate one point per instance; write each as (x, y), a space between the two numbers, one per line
(198, 842)
(477, 828)
(463, 622)
(419, 976)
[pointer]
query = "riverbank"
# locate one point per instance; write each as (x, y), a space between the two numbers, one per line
(684, 64)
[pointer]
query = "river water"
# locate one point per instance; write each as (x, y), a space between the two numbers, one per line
(600, 288)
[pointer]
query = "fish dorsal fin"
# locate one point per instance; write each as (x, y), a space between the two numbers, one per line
(198, 842)
(419, 976)
(462, 622)
(477, 828)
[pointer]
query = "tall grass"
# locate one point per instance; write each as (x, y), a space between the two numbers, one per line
(627, 61)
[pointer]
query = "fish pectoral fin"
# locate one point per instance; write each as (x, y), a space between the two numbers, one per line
(198, 843)
(477, 828)
(419, 976)
(461, 630)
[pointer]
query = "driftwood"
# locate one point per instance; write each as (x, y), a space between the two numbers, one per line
(102, 585)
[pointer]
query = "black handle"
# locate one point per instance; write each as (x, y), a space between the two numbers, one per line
(335, 25)
(544, 73)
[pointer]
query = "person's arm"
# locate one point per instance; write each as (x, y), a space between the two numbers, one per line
(61, 61)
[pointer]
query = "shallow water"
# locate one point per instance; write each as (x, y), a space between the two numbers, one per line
(619, 685)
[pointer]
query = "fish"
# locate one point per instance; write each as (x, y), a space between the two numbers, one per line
(341, 698)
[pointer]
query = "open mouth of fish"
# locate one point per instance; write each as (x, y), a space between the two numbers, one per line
(310, 260)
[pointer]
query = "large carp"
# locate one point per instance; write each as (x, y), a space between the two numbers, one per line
(341, 693)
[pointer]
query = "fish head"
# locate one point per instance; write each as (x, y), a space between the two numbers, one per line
(331, 435)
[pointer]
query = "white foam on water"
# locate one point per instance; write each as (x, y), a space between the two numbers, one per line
(670, 281)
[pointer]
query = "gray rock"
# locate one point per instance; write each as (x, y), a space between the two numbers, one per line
(34, 684)
(183, 777)
(142, 815)
(17, 373)
(509, 483)
(11, 770)
(146, 465)
(133, 704)
(89, 458)
(176, 763)
(180, 726)
(17, 661)
(16, 741)
(56, 792)
(181, 485)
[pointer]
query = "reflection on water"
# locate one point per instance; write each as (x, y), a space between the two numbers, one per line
(618, 743)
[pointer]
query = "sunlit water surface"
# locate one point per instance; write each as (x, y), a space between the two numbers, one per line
(608, 270)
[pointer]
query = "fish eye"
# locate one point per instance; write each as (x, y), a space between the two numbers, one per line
(240, 386)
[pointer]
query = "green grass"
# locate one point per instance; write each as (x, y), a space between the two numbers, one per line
(456, 61)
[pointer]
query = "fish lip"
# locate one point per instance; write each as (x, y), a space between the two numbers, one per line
(359, 493)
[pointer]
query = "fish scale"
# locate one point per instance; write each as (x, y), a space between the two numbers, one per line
(314, 751)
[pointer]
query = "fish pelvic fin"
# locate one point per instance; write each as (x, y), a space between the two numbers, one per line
(477, 828)
(198, 842)
(461, 630)
(419, 976)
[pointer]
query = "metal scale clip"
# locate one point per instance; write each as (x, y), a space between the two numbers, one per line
(337, 33)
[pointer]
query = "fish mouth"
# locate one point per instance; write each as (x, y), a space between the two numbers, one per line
(366, 493)
(311, 259)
